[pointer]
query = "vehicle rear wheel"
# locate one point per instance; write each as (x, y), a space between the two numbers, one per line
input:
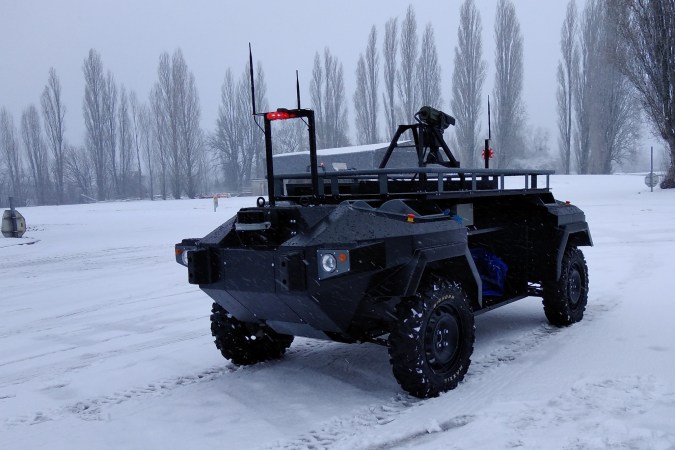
(565, 300)
(431, 345)
(246, 343)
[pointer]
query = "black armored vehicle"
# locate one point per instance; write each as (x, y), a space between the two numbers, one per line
(404, 257)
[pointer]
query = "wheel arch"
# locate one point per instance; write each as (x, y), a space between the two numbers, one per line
(577, 235)
(459, 267)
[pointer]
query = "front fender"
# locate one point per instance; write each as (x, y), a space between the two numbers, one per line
(452, 261)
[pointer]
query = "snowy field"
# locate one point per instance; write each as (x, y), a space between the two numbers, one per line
(104, 345)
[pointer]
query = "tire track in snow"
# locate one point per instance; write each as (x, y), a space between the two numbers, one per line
(341, 428)
(85, 257)
(84, 360)
(92, 409)
(49, 323)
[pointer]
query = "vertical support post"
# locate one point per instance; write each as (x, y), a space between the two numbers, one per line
(486, 155)
(313, 163)
(270, 161)
(487, 141)
(651, 170)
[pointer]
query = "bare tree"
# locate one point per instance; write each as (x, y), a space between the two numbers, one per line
(160, 138)
(94, 112)
(647, 31)
(138, 130)
(80, 170)
(372, 81)
(616, 122)
(254, 141)
(167, 108)
(125, 146)
(509, 111)
(110, 131)
(290, 136)
(53, 115)
(389, 52)
(568, 67)
(429, 71)
(408, 89)
(35, 149)
(361, 112)
(316, 89)
(227, 139)
(176, 106)
(586, 85)
(467, 82)
(188, 114)
(607, 124)
(237, 141)
(148, 149)
(366, 103)
(9, 147)
(327, 92)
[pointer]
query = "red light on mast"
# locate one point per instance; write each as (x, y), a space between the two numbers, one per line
(280, 115)
(491, 153)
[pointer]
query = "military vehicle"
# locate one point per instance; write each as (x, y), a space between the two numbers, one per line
(403, 257)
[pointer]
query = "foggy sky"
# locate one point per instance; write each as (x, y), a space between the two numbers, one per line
(214, 35)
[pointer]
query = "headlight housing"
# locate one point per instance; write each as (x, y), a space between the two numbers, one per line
(328, 263)
(332, 263)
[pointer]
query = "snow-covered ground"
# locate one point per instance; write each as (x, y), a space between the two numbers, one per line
(104, 344)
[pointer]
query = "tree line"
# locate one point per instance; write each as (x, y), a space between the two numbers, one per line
(616, 67)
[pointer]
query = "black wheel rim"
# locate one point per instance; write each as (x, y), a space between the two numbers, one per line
(574, 286)
(442, 338)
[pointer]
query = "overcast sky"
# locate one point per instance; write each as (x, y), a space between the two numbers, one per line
(214, 35)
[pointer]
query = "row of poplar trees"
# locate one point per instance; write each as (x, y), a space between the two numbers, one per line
(131, 149)
(617, 68)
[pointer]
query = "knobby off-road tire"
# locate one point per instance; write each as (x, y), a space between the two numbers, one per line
(431, 345)
(565, 300)
(246, 343)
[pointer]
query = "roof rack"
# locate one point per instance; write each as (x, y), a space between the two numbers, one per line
(419, 182)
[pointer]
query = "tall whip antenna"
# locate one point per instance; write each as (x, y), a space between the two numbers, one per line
(489, 122)
(250, 60)
(297, 87)
(487, 152)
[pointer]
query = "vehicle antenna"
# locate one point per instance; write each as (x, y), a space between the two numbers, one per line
(487, 152)
(297, 87)
(250, 60)
(489, 124)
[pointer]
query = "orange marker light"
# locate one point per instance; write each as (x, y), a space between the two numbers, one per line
(342, 257)
(411, 218)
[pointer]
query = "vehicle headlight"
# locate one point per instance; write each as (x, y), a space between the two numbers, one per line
(184, 257)
(328, 263)
(332, 263)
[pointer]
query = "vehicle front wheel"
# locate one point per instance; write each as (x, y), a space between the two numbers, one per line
(246, 343)
(431, 345)
(565, 300)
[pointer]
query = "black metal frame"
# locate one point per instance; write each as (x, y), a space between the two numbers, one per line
(314, 173)
(434, 182)
(425, 137)
(446, 180)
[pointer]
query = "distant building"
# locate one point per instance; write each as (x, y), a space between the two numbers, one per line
(360, 157)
